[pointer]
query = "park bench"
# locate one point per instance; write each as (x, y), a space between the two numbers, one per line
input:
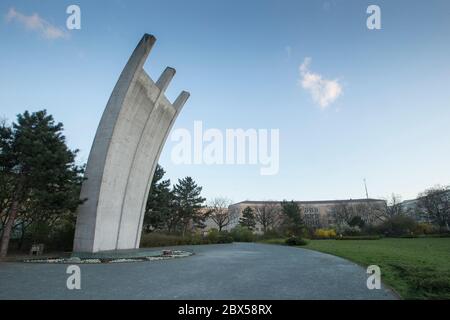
(37, 249)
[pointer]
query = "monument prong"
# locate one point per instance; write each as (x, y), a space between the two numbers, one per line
(181, 100)
(129, 139)
(165, 78)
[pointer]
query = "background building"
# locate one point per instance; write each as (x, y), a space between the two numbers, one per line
(412, 208)
(316, 214)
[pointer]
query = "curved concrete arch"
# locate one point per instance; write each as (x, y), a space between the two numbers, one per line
(126, 148)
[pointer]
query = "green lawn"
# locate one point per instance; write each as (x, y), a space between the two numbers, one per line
(415, 268)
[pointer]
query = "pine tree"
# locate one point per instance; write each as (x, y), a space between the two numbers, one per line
(44, 180)
(293, 220)
(188, 202)
(159, 208)
(248, 218)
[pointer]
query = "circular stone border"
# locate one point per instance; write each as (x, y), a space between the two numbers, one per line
(164, 255)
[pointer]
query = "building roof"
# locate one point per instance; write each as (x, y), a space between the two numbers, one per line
(445, 191)
(313, 202)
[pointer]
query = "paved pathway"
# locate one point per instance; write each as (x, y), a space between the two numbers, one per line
(226, 271)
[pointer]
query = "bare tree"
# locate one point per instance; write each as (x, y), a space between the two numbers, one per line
(371, 211)
(368, 211)
(435, 202)
(268, 215)
(220, 214)
(394, 207)
(343, 213)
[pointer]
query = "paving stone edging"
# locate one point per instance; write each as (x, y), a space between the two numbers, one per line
(164, 255)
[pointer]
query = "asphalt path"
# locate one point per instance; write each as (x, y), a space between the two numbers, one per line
(224, 271)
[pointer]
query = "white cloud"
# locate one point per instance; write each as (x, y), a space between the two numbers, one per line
(323, 91)
(36, 23)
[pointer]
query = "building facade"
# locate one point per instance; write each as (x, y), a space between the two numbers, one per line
(412, 208)
(316, 214)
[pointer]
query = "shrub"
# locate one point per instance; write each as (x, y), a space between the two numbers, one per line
(156, 239)
(296, 241)
(196, 238)
(398, 226)
(357, 221)
(358, 238)
(216, 236)
(408, 236)
(370, 229)
(213, 235)
(62, 238)
(242, 234)
(309, 232)
(324, 234)
(56, 237)
(225, 237)
(270, 234)
(439, 235)
(347, 230)
(425, 228)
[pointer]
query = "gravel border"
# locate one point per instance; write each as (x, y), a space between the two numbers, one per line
(165, 255)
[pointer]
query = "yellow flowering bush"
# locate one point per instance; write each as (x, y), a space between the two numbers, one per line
(325, 233)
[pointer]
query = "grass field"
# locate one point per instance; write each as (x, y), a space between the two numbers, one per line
(415, 268)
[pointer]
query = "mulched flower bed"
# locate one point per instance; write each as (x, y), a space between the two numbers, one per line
(166, 254)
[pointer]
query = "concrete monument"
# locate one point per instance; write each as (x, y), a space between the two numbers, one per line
(123, 157)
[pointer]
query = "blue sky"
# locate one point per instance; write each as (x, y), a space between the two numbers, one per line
(241, 61)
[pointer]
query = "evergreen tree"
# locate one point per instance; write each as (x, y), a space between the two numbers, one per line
(293, 221)
(5, 175)
(248, 218)
(159, 208)
(44, 180)
(188, 204)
